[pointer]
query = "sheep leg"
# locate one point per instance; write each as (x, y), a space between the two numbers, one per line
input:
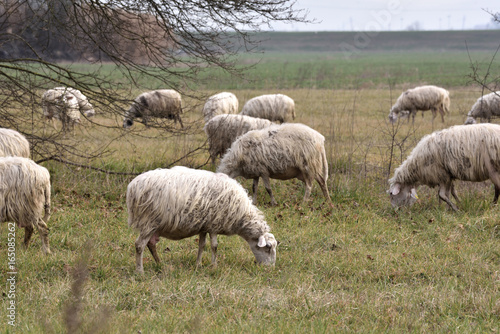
(152, 247)
(454, 194)
(201, 246)
(44, 235)
(307, 194)
(28, 232)
(213, 246)
(178, 118)
(254, 190)
(140, 244)
(324, 188)
(494, 177)
(445, 189)
(267, 185)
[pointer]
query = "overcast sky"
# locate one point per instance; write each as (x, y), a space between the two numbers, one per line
(369, 15)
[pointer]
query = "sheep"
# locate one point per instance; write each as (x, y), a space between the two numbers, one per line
(283, 152)
(61, 105)
(421, 98)
(180, 202)
(163, 103)
(12, 143)
(222, 103)
(486, 107)
(222, 131)
(274, 107)
(462, 152)
(84, 105)
(24, 194)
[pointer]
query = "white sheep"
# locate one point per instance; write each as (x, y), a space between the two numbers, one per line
(222, 103)
(486, 107)
(163, 103)
(222, 131)
(421, 98)
(462, 152)
(12, 143)
(62, 105)
(283, 152)
(24, 195)
(274, 107)
(84, 105)
(178, 203)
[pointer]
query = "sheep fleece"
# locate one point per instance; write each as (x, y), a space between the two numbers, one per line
(12, 143)
(274, 107)
(179, 203)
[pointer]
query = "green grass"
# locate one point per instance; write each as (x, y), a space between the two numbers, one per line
(358, 266)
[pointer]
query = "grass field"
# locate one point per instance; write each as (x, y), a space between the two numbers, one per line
(358, 266)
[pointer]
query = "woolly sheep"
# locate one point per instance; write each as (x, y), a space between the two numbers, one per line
(163, 103)
(222, 103)
(24, 194)
(61, 105)
(462, 152)
(274, 107)
(84, 105)
(222, 131)
(486, 107)
(421, 98)
(178, 203)
(12, 143)
(281, 152)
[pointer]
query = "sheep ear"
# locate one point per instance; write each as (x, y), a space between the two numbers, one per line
(262, 241)
(414, 193)
(396, 189)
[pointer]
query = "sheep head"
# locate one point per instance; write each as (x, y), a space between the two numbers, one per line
(264, 249)
(402, 195)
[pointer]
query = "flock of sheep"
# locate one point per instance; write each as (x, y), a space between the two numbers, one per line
(181, 202)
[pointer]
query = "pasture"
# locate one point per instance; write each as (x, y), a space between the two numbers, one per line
(357, 266)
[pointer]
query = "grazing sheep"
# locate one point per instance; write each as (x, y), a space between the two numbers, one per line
(462, 152)
(163, 103)
(421, 98)
(222, 131)
(84, 105)
(178, 203)
(281, 152)
(24, 194)
(274, 107)
(486, 107)
(12, 143)
(222, 103)
(61, 105)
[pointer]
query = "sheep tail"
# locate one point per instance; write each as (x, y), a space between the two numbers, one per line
(47, 203)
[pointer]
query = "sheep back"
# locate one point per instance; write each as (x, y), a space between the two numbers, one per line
(222, 131)
(274, 107)
(12, 143)
(221, 103)
(181, 202)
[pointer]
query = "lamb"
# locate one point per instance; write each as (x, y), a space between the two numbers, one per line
(274, 107)
(24, 194)
(283, 152)
(12, 143)
(222, 103)
(462, 152)
(486, 107)
(61, 105)
(180, 202)
(163, 103)
(421, 98)
(222, 131)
